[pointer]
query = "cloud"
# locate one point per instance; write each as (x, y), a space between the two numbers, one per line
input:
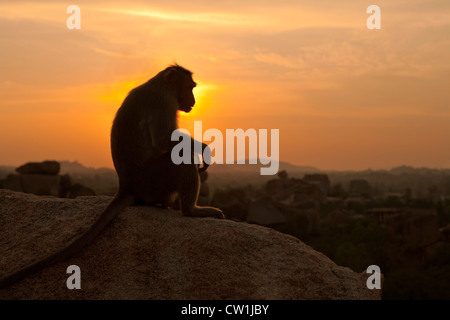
(278, 60)
(111, 53)
(201, 17)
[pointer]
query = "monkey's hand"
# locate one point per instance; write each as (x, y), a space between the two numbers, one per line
(206, 157)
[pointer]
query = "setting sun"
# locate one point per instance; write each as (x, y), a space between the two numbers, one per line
(202, 93)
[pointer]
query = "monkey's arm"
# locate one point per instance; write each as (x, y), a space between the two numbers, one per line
(206, 157)
(196, 148)
(164, 143)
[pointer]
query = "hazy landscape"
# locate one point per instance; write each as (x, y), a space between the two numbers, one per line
(396, 180)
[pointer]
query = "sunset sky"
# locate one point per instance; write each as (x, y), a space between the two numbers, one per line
(341, 95)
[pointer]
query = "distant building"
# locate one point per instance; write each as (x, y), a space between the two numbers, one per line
(419, 227)
(320, 180)
(264, 213)
(293, 190)
(382, 215)
(359, 188)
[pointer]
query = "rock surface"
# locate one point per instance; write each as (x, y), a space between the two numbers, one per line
(155, 253)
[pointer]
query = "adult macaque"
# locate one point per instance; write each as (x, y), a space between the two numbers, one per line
(141, 150)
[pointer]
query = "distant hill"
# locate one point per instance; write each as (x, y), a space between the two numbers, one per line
(102, 180)
(236, 175)
(255, 168)
(67, 167)
(398, 179)
(221, 175)
(72, 167)
(420, 170)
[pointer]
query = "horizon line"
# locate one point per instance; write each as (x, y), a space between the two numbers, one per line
(247, 162)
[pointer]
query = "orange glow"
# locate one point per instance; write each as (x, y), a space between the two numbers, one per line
(342, 96)
(116, 92)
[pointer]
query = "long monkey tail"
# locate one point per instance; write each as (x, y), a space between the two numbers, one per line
(117, 205)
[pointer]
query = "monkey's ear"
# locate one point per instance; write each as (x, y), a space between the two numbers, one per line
(170, 75)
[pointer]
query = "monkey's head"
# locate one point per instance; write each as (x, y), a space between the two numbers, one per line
(180, 80)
